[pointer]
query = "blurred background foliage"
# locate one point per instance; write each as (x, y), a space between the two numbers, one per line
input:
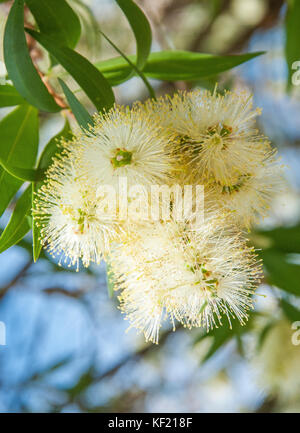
(67, 349)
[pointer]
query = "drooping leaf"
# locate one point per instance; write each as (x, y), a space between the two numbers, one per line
(19, 143)
(56, 18)
(141, 29)
(50, 150)
(81, 114)
(9, 96)
(89, 78)
(19, 64)
(18, 224)
(174, 65)
(280, 272)
(292, 46)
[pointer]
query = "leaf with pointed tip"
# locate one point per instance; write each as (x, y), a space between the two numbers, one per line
(19, 132)
(141, 29)
(87, 75)
(19, 64)
(174, 65)
(18, 225)
(81, 114)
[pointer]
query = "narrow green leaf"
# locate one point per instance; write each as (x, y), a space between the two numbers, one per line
(281, 273)
(19, 132)
(292, 313)
(9, 96)
(50, 150)
(87, 75)
(81, 114)
(19, 64)
(18, 225)
(141, 29)
(56, 18)
(174, 65)
(292, 46)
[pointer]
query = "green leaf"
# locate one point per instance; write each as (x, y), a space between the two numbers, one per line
(292, 313)
(87, 75)
(19, 64)
(141, 29)
(285, 239)
(281, 273)
(19, 132)
(9, 96)
(25, 174)
(18, 224)
(174, 65)
(50, 150)
(292, 47)
(81, 114)
(56, 18)
(223, 334)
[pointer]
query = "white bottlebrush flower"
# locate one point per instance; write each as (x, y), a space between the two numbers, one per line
(248, 197)
(125, 143)
(72, 223)
(277, 365)
(215, 132)
(193, 275)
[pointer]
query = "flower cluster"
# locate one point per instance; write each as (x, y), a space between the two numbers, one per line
(182, 268)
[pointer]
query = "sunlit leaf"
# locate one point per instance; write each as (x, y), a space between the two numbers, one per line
(56, 18)
(87, 75)
(18, 224)
(19, 143)
(19, 64)
(174, 65)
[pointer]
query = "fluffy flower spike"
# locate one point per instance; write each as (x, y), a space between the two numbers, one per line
(72, 224)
